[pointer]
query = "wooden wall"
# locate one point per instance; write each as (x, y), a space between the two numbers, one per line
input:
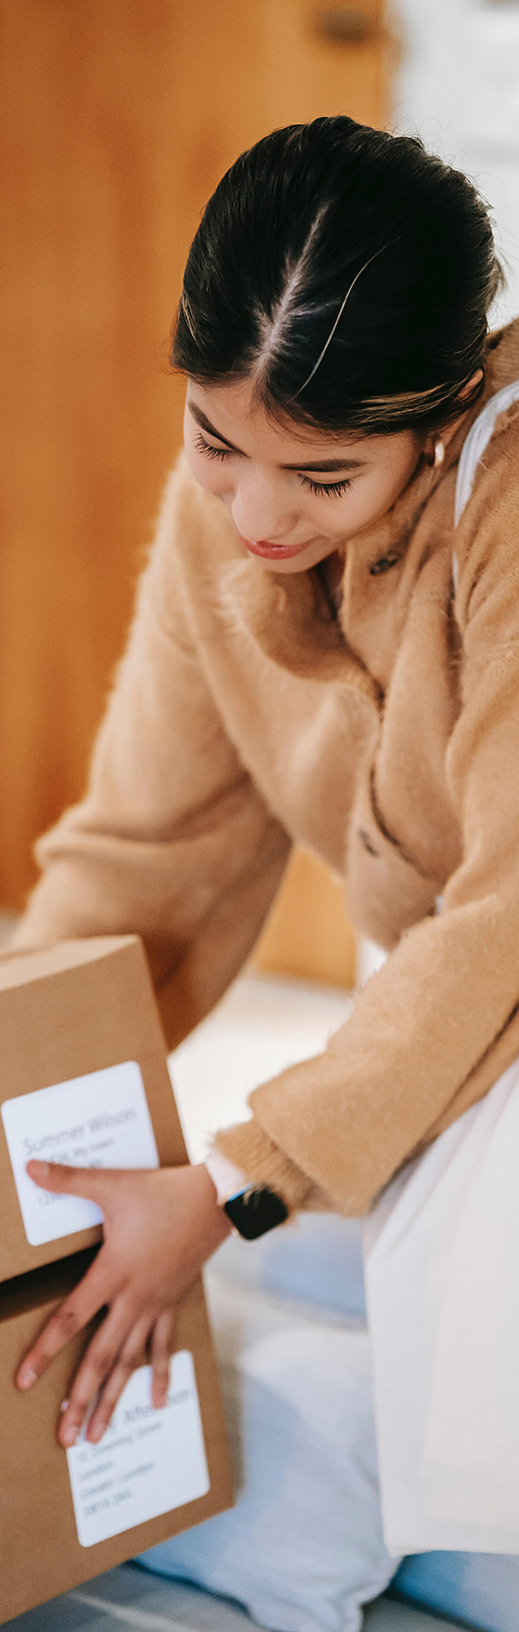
(116, 122)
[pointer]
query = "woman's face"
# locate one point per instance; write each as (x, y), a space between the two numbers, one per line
(294, 494)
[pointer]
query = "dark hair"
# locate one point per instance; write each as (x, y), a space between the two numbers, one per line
(349, 273)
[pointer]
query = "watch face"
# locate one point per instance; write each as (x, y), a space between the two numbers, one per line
(255, 1212)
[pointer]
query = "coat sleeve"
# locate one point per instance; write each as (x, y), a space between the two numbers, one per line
(172, 840)
(435, 1027)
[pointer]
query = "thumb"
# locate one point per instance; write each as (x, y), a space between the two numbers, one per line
(89, 1182)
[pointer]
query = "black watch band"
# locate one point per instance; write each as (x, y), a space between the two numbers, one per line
(255, 1211)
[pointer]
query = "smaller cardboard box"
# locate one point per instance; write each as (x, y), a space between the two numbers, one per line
(83, 1080)
(65, 1516)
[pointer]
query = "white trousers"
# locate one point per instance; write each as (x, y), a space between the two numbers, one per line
(441, 1252)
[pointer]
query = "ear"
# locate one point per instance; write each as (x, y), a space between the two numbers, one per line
(449, 432)
(428, 447)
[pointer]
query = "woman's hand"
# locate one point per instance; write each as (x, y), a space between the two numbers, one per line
(160, 1226)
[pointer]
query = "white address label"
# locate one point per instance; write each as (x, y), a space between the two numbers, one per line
(147, 1463)
(99, 1120)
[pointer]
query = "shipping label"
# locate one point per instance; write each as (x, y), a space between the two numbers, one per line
(147, 1463)
(99, 1120)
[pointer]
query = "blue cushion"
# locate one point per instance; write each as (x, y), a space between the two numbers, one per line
(481, 1588)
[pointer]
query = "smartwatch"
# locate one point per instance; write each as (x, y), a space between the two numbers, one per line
(254, 1211)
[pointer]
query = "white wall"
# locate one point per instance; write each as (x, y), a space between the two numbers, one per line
(458, 85)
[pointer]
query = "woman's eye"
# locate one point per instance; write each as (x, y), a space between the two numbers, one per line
(212, 453)
(334, 489)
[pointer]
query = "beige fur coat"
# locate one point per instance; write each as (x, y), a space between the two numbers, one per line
(244, 717)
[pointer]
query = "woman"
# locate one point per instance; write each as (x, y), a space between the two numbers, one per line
(302, 666)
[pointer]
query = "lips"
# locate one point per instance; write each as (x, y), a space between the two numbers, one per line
(276, 552)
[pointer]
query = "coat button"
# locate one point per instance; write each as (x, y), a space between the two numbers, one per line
(386, 561)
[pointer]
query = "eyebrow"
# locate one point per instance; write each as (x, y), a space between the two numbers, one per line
(316, 464)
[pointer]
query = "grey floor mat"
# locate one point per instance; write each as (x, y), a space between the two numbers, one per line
(388, 1616)
(133, 1600)
(130, 1599)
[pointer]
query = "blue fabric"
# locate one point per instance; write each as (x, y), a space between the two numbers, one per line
(303, 1548)
(479, 1588)
(319, 1260)
(316, 1259)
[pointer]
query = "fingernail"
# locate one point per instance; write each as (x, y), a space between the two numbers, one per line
(26, 1377)
(68, 1435)
(64, 1404)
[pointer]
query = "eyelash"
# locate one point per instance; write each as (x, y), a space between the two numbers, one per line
(333, 489)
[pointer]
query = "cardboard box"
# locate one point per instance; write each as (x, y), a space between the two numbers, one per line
(56, 1507)
(83, 1080)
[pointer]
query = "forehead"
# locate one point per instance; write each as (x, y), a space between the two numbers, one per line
(231, 410)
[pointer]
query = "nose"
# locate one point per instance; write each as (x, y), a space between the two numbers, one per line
(261, 509)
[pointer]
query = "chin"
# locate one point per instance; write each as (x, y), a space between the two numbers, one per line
(281, 568)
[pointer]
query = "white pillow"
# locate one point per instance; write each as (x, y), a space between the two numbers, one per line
(303, 1548)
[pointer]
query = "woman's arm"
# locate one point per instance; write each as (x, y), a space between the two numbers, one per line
(172, 840)
(437, 1025)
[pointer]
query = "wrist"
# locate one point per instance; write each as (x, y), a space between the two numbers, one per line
(217, 1217)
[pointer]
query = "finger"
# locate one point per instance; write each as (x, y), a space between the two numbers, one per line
(162, 1345)
(90, 1182)
(132, 1355)
(99, 1362)
(92, 1293)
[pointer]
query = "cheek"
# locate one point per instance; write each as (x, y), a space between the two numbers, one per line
(372, 496)
(403, 468)
(391, 480)
(208, 473)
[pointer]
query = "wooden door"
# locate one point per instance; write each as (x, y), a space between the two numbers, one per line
(115, 125)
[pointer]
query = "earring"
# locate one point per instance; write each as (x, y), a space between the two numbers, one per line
(439, 453)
